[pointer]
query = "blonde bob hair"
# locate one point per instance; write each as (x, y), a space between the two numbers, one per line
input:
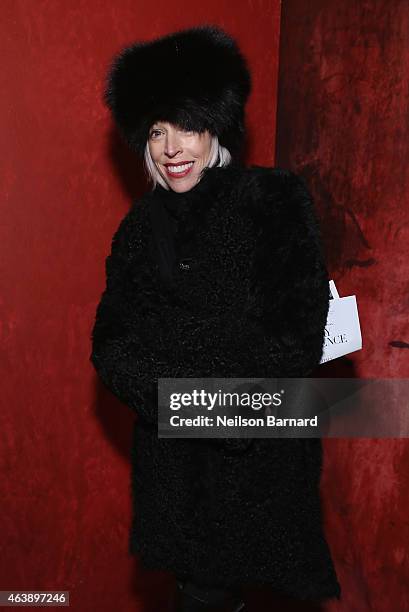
(219, 156)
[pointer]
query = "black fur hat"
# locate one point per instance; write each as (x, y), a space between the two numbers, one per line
(195, 78)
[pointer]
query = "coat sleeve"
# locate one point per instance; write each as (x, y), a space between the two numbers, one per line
(289, 292)
(131, 339)
(119, 348)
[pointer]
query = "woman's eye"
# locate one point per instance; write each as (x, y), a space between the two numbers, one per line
(155, 132)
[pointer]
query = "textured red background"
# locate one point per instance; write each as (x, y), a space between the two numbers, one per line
(343, 124)
(66, 182)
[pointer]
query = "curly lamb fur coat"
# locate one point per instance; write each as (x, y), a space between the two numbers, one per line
(254, 304)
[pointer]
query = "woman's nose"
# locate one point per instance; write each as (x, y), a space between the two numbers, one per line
(172, 145)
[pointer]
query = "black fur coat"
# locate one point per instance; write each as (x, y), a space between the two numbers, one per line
(252, 303)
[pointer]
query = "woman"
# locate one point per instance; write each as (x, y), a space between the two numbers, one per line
(216, 272)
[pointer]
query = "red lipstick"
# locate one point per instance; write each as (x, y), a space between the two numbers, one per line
(178, 174)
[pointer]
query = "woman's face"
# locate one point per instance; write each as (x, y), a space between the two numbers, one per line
(179, 156)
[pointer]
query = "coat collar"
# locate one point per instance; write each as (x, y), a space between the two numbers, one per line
(178, 216)
(202, 195)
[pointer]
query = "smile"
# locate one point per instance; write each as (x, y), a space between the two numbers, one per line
(179, 171)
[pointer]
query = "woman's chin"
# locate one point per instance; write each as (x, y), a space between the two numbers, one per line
(182, 184)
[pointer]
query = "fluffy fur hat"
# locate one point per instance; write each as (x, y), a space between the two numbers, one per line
(195, 78)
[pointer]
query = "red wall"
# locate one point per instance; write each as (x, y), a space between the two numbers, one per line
(66, 181)
(343, 124)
